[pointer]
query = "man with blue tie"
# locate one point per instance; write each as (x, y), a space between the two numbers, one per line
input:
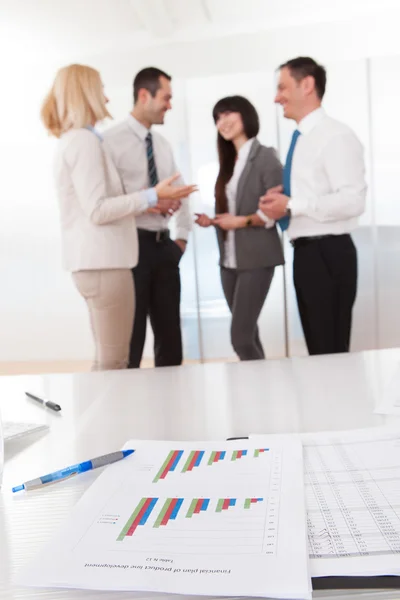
(143, 158)
(319, 204)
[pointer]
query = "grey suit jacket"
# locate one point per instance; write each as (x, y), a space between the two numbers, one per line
(256, 247)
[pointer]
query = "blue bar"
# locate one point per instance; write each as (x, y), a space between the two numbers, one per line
(176, 509)
(244, 452)
(232, 502)
(205, 504)
(178, 458)
(222, 455)
(260, 499)
(198, 460)
(148, 512)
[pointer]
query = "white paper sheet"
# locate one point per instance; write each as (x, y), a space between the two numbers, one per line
(206, 519)
(352, 484)
(390, 400)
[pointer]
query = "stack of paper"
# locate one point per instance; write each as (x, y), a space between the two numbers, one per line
(206, 519)
(352, 482)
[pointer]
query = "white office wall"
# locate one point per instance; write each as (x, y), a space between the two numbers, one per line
(41, 314)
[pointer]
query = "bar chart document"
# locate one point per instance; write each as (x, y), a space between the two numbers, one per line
(206, 519)
(352, 482)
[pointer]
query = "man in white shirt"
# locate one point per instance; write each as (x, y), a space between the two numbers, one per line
(324, 192)
(143, 158)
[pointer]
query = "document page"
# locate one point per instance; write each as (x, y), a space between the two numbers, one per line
(352, 483)
(188, 518)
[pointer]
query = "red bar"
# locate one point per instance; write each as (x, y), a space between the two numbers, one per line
(225, 505)
(217, 457)
(254, 500)
(136, 522)
(193, 461)
(198, 506)
(168, 514)
(240, 454)
(261, 450)
(169, 465)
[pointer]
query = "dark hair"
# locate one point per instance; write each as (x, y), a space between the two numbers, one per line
(302, 67)
(148, 79)
(226, 149)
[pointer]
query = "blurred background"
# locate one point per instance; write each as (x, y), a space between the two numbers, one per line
(212, 48)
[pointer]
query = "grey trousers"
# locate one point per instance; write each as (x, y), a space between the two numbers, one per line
(245, 292)
(110, 298)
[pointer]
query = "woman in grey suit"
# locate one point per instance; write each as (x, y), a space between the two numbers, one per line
(249, 244)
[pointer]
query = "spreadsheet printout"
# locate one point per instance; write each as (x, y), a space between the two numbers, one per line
(352, 488)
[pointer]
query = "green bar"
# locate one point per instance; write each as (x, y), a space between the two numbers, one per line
(189, 460)
(160, 472)
(211, 459)
(247, 503)
(219, 505)
(234, 455)
(162, 512)
(256, 453)
(191, 508)
(130, 520)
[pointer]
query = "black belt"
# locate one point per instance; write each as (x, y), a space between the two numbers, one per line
(304, 241)
(158, 236)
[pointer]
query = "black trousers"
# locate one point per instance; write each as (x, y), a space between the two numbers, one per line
(158, 295)
(325, 279)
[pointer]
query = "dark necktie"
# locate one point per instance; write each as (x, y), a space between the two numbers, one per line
(284, 221)
(153, 177)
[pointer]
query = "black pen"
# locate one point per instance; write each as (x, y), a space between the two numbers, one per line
(47, 403)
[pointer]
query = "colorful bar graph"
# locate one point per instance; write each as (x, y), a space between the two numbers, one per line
(238, 454)
(169, 511)
(225, 503)
(138, 517)
(249, 501)
(197, 506)
(260, 451)
(170, 464)
(194, 460)
(216, 456)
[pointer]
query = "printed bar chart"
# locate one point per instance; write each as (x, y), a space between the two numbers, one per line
(169, 465)
(194, 460)
(197, 505)
(216, 456)
(260, 451)
(138, 517)
(169, 511)
(249, 501)
(238, 454)
(225, 503)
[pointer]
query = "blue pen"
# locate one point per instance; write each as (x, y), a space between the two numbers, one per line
(100, 461)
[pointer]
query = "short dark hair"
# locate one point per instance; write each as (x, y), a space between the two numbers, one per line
(148, 79)
(304, 66)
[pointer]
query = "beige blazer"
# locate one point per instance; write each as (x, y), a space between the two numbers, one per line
(97, 219)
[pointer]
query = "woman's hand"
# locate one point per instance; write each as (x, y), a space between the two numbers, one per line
(204, 220)
(226, 221)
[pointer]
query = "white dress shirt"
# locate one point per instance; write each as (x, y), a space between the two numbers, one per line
(231, 192)
(127, 144)
(328, 188)
(97, 219)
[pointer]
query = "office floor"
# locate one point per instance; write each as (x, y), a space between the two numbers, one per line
(71, 366)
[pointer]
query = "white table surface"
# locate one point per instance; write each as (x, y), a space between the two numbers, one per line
(100, 411)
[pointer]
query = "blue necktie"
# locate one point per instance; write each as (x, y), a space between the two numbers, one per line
(153, 177)
(284, 221)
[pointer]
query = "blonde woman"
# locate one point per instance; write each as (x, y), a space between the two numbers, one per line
(99, 238)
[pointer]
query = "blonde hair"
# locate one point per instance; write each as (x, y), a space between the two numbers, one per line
(75, 100)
